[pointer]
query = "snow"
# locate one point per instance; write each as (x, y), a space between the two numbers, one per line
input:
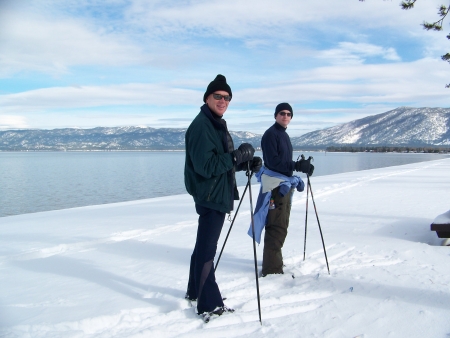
(120, 270)
(443, 218)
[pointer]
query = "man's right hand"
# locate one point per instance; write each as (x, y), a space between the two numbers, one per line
(244, 153)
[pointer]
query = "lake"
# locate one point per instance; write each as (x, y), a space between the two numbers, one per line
(42, 181)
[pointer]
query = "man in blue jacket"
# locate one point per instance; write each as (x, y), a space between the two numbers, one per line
(209, 176)
(277, 154)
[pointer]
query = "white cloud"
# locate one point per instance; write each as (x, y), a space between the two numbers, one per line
(13, 122)
(237, 19)
(52, 36)
(43, 43)
(95, 96)
(349, 52)
(363, 84)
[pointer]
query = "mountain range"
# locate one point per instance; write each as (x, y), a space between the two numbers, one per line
(103, 138)
(403, 126)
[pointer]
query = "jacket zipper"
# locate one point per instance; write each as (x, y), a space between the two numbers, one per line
(212, 187)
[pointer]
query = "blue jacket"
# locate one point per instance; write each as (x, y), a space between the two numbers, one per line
(262, 204)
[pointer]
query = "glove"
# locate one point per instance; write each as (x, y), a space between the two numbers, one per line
(311, 170)
(304, 166)
(256, 164)
(244, 153)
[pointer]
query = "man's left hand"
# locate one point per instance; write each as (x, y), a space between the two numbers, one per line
(304, 166)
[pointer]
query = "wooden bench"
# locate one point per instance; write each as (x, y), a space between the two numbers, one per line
(441, 225)
(442, 230)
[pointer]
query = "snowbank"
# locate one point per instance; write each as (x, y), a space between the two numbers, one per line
(443, 218)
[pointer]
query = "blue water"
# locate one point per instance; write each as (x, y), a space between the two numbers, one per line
(42, 181)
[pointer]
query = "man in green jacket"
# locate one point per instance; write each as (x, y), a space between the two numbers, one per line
(209, 176)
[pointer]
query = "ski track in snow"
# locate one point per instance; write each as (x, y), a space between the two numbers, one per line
(305, 295)
(138, 234)
(346, 185)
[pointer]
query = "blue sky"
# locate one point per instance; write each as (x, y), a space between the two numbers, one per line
(79, 63)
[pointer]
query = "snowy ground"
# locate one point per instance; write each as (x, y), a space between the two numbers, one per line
(120, 270)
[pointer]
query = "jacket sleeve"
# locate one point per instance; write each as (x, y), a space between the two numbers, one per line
(204, 148)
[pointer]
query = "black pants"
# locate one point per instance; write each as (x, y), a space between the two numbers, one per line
(276, 232)
(202, 281)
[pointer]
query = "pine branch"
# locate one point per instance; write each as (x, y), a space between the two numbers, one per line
(437, 26)
(432, 26)
(408, 4)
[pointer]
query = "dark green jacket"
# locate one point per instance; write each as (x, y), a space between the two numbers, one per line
(209, 170)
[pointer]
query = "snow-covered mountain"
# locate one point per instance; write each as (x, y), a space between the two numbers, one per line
(103, 138)
(403, 126)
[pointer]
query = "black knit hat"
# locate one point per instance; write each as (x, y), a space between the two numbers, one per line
(219, 83)
(283, 106)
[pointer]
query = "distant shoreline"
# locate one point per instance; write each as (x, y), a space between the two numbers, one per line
(405, 150)
(90, 151)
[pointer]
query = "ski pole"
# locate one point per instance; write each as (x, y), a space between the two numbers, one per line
(320, 229)
(254, 244)
(306, 215)
(306, 222)
(229, 230)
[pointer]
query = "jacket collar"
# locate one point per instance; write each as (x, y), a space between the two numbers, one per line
(280, 127)
(211, 116)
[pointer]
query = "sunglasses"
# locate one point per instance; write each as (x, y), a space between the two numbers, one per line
(219, 97)
(283, 114)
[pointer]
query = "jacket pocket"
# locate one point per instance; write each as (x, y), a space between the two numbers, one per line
(207, 189)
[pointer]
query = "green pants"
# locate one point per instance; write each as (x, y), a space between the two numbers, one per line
(275, 233)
